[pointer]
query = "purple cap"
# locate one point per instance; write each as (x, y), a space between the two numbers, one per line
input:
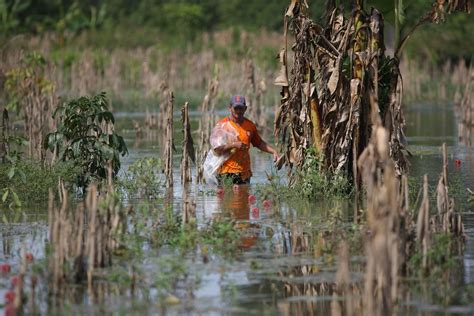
(238, 100)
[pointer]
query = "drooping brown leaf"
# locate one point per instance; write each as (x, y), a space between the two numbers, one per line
(282, 77)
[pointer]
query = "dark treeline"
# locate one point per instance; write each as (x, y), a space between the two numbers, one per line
(183, 20)
(168, 15)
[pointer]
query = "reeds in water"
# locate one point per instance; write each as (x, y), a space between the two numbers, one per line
(84, 238)
(391, 226)
(447, 220)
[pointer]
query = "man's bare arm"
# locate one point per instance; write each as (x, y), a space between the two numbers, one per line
(268, 149)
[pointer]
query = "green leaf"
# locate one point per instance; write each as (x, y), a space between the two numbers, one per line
(22, 175)
(400, 12)
(11, 172)
(5, 195)
(16, 199)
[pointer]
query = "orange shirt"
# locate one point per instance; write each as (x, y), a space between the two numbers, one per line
(239, 162)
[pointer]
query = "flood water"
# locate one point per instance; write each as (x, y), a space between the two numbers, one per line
(272, 273)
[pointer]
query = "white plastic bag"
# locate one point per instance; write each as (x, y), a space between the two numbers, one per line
(221, 134)
(212, 165)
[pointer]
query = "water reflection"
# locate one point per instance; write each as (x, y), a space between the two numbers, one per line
(234, 201)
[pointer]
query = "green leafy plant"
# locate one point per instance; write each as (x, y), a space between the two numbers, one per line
(31, 181)
(86, 135)
(441, 257)
(142, 180)
(12, 171)
(313, 182)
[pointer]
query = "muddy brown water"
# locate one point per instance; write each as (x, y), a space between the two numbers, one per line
(269, 276)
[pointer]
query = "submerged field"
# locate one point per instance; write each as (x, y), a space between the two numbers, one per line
(197, 250)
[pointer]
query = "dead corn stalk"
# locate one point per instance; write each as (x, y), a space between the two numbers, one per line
(163, 106)
(423, 229)
(84, 238)
(447, 220)
(169, 144)
(188, 147)
(383, 219)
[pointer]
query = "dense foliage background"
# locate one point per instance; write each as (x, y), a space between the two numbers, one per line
(117, 23)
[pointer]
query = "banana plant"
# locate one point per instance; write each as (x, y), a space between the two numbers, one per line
(342, 83)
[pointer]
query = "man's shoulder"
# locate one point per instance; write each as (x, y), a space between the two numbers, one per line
(250, 123)
(223, 120)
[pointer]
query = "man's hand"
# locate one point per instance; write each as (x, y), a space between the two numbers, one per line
(269, 149)
(275, 156)
(239, 145)
(230, 147)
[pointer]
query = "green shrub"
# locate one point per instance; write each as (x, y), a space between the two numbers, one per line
(312, 182)
(33, 180)
(440, 257)
(142, 179)
(86, 136)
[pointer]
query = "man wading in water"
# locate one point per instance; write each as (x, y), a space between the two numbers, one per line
(237, 167)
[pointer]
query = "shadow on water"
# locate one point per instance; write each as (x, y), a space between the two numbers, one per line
(284, 262)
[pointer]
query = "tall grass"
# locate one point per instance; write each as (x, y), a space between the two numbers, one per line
(131, 75)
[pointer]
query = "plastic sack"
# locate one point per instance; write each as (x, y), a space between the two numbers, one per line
(222, 133)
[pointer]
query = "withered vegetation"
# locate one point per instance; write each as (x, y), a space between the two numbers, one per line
(338, 70)
(188, 147)
(85, 238)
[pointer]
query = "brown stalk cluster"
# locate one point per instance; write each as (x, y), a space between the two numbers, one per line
(394, 236)
(385, 206)
(168, 142)
(336, 71)
(84, 238)
(143, 70)
(29, 85)
(188, 147)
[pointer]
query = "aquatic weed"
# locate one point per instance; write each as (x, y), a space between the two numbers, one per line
(440, 257)
(310, 183)
(40, 178)
(142, 179)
